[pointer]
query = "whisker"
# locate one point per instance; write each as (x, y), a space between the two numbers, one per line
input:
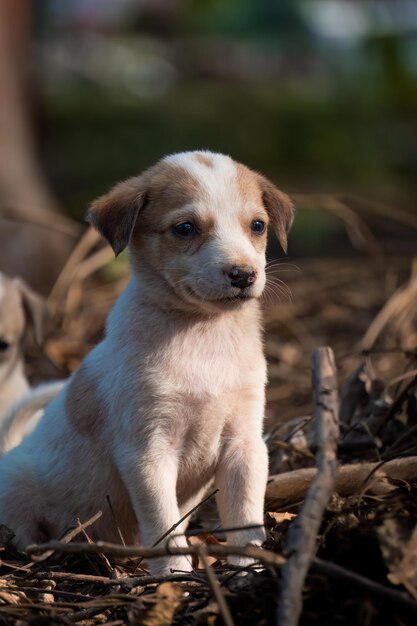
(271, 295)
(281, 287)
(276, 263)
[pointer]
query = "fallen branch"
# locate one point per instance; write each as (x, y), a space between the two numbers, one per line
(216, 588)
(127, 582)
(302, 535)
(114, 549)
(291, 487)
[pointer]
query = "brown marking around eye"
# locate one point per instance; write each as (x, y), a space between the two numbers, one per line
(170, 187)
(277, 204)
(250, 192)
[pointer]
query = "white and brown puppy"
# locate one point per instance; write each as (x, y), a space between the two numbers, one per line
(174, 395)
(20, 310)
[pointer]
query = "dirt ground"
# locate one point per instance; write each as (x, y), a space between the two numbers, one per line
(364, 571)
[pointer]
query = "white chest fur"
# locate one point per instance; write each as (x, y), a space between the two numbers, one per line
(201, 357)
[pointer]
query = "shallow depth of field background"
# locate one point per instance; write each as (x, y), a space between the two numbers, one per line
(319, 95)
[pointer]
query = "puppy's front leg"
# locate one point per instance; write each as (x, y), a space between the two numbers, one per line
(151, 480)
(241, 479)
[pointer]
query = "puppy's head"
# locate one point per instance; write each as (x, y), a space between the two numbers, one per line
(20, 310)
(198, 222)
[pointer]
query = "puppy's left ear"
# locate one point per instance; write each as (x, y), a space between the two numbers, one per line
(35, 309)
(114, 214)
(279, 208)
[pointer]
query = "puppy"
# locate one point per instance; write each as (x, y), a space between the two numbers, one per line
(174, 395)
(20, 310)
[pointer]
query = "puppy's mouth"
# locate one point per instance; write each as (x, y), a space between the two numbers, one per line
(233, 298)
(237, 298)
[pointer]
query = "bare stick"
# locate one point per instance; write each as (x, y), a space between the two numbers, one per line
(302, 536)
(291, 487)
(127, 582)
(103, 557)
(184, 517)
(89, 239)
(70, 535)
(216, 588)
(253, 552)
(176, 524)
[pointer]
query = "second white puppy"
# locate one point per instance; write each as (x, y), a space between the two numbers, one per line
(174, 394)
(21, 310)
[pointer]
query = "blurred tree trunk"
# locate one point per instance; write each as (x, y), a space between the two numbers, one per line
(35, 239)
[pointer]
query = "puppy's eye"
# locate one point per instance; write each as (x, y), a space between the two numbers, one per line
(187, 229)
(4, 345)
(258, 227)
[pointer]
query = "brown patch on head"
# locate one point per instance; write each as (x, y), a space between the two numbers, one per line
(164, 186)
(204, 160)
(169, 187)
(174, 196)
(83, 404)
(277, 204)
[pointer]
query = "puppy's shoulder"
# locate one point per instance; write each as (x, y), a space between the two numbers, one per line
(84, 401)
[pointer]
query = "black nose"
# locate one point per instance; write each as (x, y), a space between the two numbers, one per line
(242, 276)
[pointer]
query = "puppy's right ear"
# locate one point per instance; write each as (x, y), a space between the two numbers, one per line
(114, 214)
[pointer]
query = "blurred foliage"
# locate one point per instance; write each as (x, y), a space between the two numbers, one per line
(264, 19)
(343, 141)
(328, 117)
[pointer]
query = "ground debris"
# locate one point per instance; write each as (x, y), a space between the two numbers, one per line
(364, 571)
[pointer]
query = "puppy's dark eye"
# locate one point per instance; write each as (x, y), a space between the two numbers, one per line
(4, 345)
(187, 229)
(258, 227)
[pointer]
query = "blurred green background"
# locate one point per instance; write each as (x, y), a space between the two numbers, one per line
(320, 95)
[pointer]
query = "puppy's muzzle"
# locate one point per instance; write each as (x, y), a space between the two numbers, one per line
(241, 276)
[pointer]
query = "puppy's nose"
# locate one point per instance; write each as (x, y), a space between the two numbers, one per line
(242, 276)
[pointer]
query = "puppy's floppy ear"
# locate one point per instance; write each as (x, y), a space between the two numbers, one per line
(35, 309)
(279, 208)
(114, 214)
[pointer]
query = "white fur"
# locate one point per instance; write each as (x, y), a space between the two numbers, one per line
(13, 385)
(177, 390)
(13, 382)
(218, 180)
(23, 416)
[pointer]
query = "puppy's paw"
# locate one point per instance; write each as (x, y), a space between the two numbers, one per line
(254, 538)
(170, 565)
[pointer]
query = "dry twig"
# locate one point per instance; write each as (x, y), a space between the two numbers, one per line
(216, 588)
(70, 536)
(291, 487)
(302, 536)
(114, 549)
